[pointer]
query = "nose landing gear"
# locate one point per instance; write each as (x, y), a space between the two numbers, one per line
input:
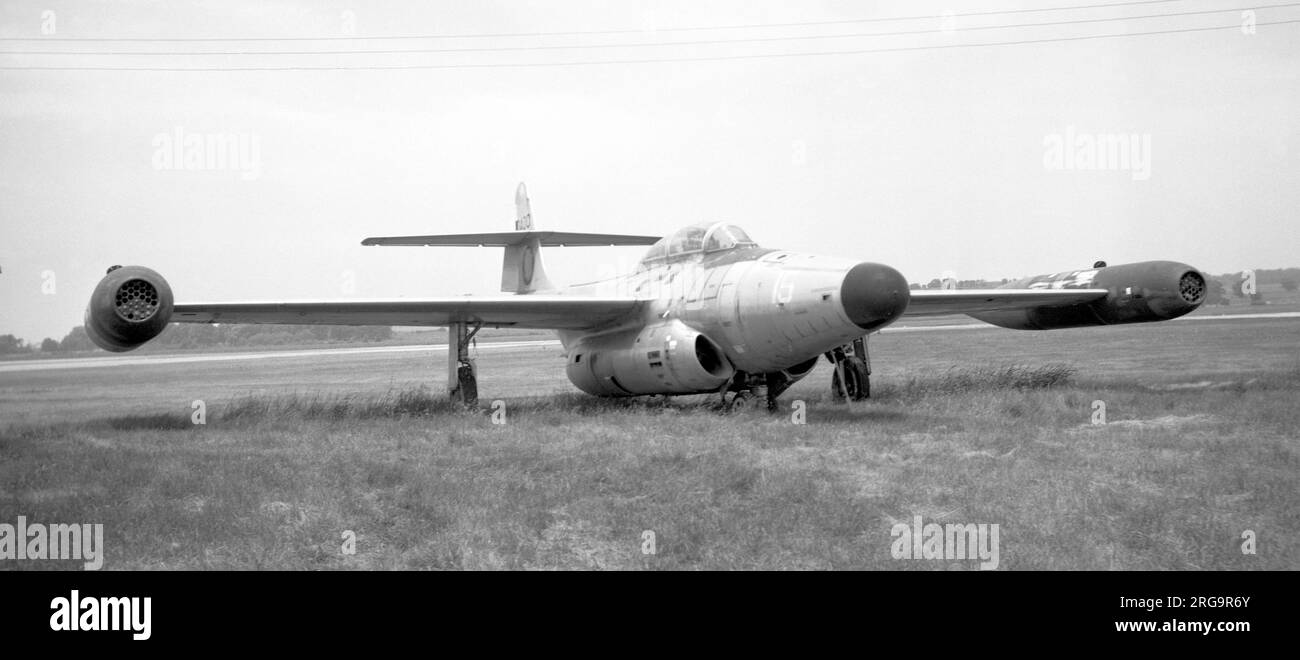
(852, 378)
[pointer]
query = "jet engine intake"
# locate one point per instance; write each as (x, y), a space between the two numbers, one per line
(665, 358)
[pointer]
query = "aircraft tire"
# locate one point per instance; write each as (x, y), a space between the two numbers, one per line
(468, 384)
(743, 400)
(857, 377)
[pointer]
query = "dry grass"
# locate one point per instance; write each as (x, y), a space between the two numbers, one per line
(957, 379)
(570, 482)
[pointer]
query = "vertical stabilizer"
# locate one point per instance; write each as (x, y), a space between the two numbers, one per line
(523, 210)
(522, 270)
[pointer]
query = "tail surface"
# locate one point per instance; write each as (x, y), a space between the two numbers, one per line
(523, 210)
(522, 270)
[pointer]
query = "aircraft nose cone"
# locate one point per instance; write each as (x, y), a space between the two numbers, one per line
(874, 295)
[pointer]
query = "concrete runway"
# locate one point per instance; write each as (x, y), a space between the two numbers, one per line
(146, 360)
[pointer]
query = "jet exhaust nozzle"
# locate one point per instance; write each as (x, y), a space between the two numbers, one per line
(129, 306)
(1140, 292)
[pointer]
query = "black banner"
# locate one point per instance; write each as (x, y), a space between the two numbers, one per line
(944, 608)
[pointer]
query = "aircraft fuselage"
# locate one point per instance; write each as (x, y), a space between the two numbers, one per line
(759, 310)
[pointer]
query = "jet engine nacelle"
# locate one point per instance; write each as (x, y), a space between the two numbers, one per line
(129, 307)
(1138, 293)
(669, 357)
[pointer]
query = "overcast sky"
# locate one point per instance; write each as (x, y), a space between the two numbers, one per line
(928, 160)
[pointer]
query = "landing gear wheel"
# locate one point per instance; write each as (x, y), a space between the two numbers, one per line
(856, 377)
(742, 401)
(468, 384)
(776, 384)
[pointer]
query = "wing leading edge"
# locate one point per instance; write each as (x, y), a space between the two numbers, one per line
(933, 302)
(534, 311)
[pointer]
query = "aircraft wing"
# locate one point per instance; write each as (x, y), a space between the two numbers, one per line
(533, 311)
(933, 302)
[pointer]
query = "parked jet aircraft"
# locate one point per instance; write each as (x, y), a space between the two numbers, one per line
(707, 310)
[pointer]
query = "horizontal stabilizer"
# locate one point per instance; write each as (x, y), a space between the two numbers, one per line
(509, 238)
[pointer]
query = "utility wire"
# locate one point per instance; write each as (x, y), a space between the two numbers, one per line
(707, 42)
(716, 58)
(598, 32)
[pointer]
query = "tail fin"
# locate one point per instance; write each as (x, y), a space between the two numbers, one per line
(522, 270)
(523, 210)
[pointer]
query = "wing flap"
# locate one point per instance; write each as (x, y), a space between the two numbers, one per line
(538, 312)
(934, 302)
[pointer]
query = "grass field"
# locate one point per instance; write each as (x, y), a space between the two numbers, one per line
(1200, 444)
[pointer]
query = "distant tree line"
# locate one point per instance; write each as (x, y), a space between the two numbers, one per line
(937, 283)
(185, 336)
(1222, 286)
(1281, 276)
(10, 344)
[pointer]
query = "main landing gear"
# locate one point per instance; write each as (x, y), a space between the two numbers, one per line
(747, 390)
(462, 374)
(852, 379)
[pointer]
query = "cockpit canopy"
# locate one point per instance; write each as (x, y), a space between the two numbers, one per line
(695, 239)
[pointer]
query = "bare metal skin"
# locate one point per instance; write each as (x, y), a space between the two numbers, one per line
(706, 310)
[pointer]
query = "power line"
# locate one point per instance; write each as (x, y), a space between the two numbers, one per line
(597, 32)
(650, 44)
(642, 61)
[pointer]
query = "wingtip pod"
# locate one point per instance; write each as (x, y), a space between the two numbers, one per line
(129, 306)
(1139, 292)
